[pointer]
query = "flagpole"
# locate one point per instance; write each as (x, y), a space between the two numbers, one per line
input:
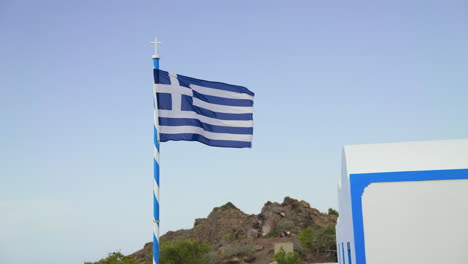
(156, 200)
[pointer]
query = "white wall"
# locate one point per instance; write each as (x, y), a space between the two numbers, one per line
(407, 156)
(345, 224)
(416, 222)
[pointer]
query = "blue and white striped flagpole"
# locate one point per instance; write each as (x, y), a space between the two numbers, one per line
(156, 162)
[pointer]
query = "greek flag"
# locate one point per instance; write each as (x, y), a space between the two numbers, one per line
(216, 114)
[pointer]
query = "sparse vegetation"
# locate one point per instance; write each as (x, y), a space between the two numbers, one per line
(332, 211)
(116, 258)
(240, 249)
(287, 258)
(184, 251)
(320, 240)
(229, 205)
(299, 247)
(283, 225)
(228, 237)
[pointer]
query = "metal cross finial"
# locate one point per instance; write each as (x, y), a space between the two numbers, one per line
(155, 42)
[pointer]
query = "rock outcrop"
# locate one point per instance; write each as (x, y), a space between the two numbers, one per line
(238, 238)
(291, 215)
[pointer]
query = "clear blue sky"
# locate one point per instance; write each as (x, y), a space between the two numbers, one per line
(76, 108)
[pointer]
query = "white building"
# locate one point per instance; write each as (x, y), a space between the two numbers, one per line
(404, 203)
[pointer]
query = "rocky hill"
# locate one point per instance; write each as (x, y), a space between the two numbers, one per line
(238, 238)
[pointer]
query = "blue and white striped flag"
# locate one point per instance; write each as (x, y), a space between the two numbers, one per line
(213, 113)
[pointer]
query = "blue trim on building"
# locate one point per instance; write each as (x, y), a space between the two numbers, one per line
(348, 245)
(342, 254)
(359, 182)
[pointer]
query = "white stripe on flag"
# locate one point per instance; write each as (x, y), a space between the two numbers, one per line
(207, 134)
(165, 88)
(220, 93)
(156, 119)
(223, 108)
(205, 119)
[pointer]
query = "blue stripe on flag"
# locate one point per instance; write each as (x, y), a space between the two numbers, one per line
(163, 121)
(162, 77)
(164, 101)
(222, 101)
(204, 140)
(187, 81)
(222, 116)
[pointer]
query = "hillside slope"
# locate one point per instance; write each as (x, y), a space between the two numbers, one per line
(237, 238)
